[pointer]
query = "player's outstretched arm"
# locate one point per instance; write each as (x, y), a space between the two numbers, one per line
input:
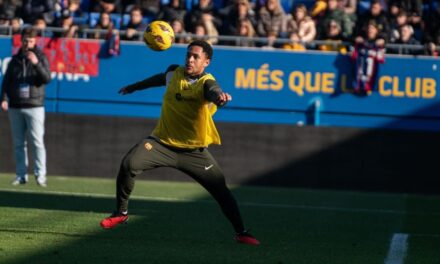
(153, 81)
(213, 93)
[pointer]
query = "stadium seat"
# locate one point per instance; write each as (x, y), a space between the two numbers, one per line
(81, 20)
(286, 5)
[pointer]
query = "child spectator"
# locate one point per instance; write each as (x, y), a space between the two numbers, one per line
(301, 24)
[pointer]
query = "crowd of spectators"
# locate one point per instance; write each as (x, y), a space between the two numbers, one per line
(326, 25)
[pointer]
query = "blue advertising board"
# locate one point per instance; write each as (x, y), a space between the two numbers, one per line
(267, 86)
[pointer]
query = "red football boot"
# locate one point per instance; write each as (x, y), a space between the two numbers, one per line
(246, 238)
(114, 220)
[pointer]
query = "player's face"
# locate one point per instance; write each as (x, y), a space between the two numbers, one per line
(196, 61)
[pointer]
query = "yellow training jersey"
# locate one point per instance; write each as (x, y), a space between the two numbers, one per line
(186, 116)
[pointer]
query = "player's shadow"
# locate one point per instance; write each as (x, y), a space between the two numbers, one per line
(156, 230)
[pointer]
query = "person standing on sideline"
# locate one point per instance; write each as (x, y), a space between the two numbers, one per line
(22, 95)
(181, 137)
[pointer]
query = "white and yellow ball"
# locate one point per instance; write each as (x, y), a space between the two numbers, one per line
(159, 35)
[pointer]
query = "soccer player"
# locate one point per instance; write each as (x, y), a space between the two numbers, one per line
(181, 137)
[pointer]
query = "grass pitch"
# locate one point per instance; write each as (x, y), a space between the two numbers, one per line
(180, 223)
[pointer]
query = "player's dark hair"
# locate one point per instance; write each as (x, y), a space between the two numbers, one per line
(207, 49)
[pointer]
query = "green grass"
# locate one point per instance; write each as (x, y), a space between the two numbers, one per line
(180, 223)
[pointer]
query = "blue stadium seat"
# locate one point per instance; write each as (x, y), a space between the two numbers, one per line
(287, 5)
(126, 20)
(81, 20)
(308, 3)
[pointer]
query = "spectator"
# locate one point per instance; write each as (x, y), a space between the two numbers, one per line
(371, 37)
(40, 27)
(412, 7)
(199, 32)
(33, 9)
(179, 31)
(246, 31)
(349, 7)
(60, 5)
(406, 38)
(204, 11)
(149, 8)
(415, 21)
(295, 42)
(206, 31)
(9, 8)
(302, 24)
(271, 43)
(431, 49)
(104, 23)
(106, 6)
(76, 11)
(239, 11)
(176, 9)
(334, 13)
(271, 18)
(70, 30)
(378, 16)
(333, 36)
(433, 16)
(16, 24)
(135, 24)
(401, 20)
(4, 22)
(394, 9)
(22, 95)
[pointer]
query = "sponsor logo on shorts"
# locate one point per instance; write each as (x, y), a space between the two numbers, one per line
(148, 146)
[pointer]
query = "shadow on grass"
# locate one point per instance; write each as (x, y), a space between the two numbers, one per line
(158, 232)
(68, 231)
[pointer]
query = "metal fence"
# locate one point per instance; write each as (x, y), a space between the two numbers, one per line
(224, 40)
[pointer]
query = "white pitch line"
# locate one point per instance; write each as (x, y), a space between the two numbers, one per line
(250, 204)
(398, 248)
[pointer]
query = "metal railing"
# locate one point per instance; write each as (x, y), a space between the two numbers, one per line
(224, 40)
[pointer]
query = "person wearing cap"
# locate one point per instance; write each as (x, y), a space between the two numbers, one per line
(22, 95)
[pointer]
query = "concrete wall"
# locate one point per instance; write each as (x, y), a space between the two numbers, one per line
(280, 155)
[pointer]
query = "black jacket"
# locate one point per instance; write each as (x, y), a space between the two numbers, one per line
(21, 70)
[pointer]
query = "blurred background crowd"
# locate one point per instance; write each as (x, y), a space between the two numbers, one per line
(410, 27)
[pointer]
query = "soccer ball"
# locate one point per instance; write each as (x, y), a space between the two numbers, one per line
(159, 35)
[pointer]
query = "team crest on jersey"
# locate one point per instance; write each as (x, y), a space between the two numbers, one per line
(148, 146)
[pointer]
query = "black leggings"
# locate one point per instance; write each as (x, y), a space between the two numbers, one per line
(198, 164)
